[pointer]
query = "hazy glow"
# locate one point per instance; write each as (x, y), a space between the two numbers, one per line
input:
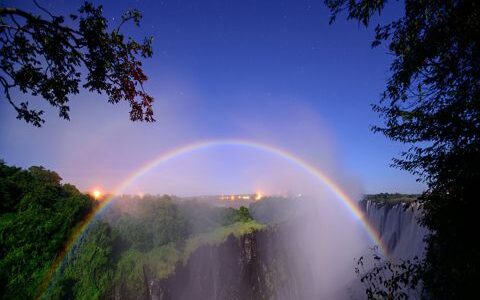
(331, 209)
(96, 193)
(295, 99)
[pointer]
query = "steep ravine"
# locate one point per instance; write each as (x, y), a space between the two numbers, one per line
(230, 270)
(258, 265)
(263, 264)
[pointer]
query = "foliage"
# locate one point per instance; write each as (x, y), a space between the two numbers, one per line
(89, 270)
(158, 222)
(392, 198)
(157, 233)
(243, 215)
(452, 263)
(432, 102)
(431, 98)
(133, 240)
(231, 216)
(134, 267)
(43, 56)
(220, 234)
(385, 279)
(36, 219)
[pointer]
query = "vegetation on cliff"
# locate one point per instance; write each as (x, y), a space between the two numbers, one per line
(38, 214)
(146, 243)
(133, 240)
(393, 198)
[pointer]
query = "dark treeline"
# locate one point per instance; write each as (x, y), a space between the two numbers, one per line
(431, 103)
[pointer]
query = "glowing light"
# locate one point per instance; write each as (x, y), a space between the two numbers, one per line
(96, 193)
(349, 203)
(258, 196)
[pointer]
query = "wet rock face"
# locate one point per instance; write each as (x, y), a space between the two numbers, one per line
(230, 270)
(224, 271)
(259, 265)
(266, 264)
(398, 227)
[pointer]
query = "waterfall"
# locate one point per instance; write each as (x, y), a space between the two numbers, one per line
(398, 226)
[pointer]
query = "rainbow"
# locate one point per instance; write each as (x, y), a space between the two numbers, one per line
(349, 203)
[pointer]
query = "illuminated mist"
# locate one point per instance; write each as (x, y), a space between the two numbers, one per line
(322, 239)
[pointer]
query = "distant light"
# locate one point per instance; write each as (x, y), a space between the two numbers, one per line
(96, 194)
(258, 196)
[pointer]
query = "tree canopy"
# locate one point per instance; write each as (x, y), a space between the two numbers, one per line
(432, 102)
(432, 96)
(52, 56)
(38, 214)
(132, 238)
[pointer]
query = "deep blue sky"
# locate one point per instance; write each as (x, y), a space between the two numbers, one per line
(218, 67)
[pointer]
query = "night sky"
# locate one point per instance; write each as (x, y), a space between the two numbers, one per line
(273, 71)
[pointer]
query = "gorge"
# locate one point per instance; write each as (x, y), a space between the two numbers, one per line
(260, 264)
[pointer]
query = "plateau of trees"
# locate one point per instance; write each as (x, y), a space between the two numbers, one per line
(52, 56)
(432, 102)
(38, 214)
(132, 239)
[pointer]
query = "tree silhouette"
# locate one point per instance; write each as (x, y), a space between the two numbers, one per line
(432, 102)
(43, 56)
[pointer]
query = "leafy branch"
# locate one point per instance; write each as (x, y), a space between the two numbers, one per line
(42, 56)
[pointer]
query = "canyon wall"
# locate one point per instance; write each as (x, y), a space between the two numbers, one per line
(398, 226)
(263, 264)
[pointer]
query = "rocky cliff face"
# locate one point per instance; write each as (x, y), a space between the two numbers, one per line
(267, 265)
(230, 270)
(259, 265)
(398, 226)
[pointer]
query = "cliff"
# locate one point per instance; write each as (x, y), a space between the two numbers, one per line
(398, 226)
(269, 264)
(258, 265)
(230, 270)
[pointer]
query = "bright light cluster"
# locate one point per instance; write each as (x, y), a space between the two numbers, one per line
(96, 193)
